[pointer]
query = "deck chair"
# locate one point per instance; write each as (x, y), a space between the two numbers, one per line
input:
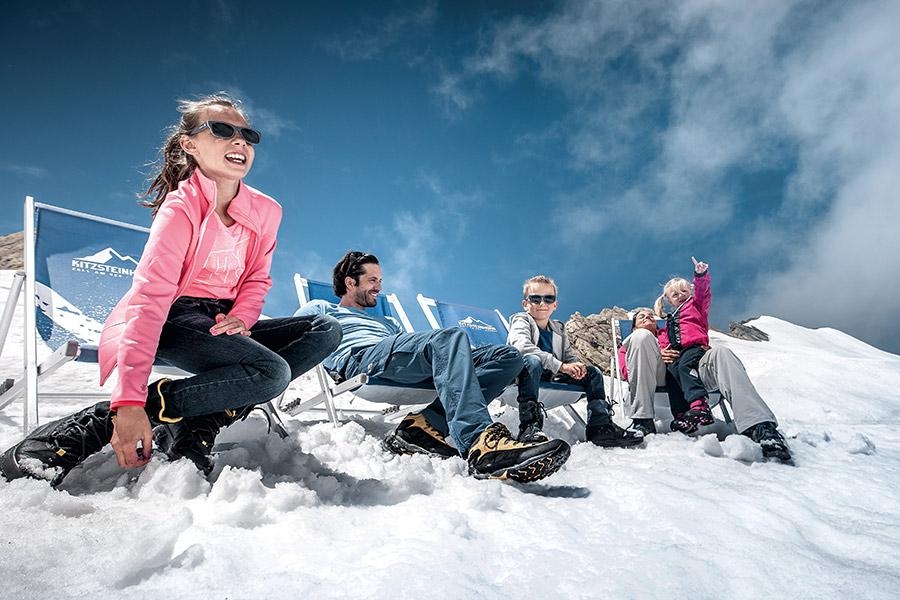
(621, 329)
(371, 389)
(484, 327)
(77, 267)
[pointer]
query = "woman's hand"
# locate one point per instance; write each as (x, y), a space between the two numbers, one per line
(228, 325)
(131, 426)
(700, 267)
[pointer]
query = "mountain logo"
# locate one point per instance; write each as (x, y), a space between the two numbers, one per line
(471, 322)
(107, 262)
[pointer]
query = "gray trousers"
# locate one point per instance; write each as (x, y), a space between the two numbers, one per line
(720, 369)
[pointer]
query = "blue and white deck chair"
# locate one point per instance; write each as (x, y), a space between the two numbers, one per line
(371, 389)
(77, 267)
(621, 329)
(485, 327)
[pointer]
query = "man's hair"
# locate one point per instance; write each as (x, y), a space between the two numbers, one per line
(352, 265)
(538, 279)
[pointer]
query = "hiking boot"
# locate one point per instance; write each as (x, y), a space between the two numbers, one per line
(415, 435)
(531, 433)
(52, 450)
(690, 421)
(610, 435)
(193, 437)
(531, 421)
(643, 426)
(156, 408)
(496, 455)
(772, 443)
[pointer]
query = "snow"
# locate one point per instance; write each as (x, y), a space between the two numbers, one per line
(328, 514)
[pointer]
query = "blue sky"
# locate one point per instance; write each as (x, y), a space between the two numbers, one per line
(473, 144)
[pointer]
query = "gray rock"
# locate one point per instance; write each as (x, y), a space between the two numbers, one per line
(742, 331)
(12, 251)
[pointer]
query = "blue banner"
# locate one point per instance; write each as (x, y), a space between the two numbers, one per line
(83, 267)
(483, 326)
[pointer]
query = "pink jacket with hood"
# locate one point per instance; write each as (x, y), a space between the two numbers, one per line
(181, 238)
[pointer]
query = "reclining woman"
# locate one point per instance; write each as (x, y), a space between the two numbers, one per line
(653, 356)
(195, 303)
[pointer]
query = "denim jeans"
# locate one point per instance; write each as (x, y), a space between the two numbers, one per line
(534, 372)
(466, 379)
(686, 372)
(233, 371)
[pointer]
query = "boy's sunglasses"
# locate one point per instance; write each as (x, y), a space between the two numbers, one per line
(226, 131)
(537, 298)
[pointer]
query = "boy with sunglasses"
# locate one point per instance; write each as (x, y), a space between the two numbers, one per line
(547, 355)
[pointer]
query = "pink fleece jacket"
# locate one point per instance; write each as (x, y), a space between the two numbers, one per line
(181, 237)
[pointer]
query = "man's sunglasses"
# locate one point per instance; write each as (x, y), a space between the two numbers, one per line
(538, 298)
(226, 131)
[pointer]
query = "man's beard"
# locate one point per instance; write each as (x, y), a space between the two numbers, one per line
(362, 298)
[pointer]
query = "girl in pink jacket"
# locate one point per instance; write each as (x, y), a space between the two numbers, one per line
(687, 331)
(195, 304)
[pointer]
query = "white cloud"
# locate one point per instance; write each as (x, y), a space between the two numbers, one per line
(375, 36)
(679, 96)
(25, 170)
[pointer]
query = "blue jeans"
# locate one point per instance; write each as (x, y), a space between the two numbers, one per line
(466, 379)
(534, 372)
(234, 371)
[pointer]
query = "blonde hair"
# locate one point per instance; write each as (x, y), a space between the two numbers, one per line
(175, 165)
(659, 305)
(538, 280)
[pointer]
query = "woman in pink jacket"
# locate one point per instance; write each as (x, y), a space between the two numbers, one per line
(195, 304)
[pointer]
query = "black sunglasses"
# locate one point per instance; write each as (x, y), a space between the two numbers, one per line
(226, 131)
(538, 298)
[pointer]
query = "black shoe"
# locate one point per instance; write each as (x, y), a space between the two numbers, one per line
(415, 435)
(193, 437)
(689, 422)
(52, 450)
(643, 426)
(531, 433)
(156, 408)
(611, 435)
(496, 455)
(772, 443)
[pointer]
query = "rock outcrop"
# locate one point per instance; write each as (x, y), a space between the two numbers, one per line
(12, 251)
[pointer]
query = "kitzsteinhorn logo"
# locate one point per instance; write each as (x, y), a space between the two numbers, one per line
(473, 323)
(106, 262)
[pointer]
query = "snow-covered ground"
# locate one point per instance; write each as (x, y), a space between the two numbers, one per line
(328, 514)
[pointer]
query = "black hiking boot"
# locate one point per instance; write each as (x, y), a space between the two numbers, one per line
(193, 437)
(156, 408)
(643, 426)
(690, 421)
(52, 450)
(531, 422)
(771, 441)
(415, 435)
(497, 455)
(610, 435)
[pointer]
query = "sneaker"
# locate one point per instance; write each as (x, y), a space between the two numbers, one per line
(193, 437)
(771, 441)
(415, 435)
(496, 455)
(531, 433)
(643, 426)
(52, 450)
(611, 435)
